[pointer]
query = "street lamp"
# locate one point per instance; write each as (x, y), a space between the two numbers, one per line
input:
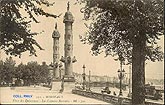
(121, 77)
(83, 75)
(60, 71)
(129, 94)
(89, 79)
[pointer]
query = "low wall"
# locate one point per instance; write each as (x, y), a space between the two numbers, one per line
(108, 98)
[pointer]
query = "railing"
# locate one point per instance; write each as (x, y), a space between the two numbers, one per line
(108, 98)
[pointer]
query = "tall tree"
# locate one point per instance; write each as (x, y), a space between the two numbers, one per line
(34, 74)
(19, 71)
(26, 75)
(8, 70)
(1, 71)
(44, 73)
(128, 30)
(15, 33)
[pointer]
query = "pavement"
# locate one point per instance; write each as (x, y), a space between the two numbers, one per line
(42, 95)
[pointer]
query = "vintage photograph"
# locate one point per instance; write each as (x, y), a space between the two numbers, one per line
(82, 52)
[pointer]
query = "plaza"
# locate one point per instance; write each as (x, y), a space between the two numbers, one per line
(67, 64)
(42, 95)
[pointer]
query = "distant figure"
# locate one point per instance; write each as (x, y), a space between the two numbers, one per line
(12, 87)
(49, 81)
(106, 90)
(158, 95)
(50, 86)
(62, 86)
(114, 93)
(129, 94)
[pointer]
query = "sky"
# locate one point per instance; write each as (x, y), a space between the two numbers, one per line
(98, 65)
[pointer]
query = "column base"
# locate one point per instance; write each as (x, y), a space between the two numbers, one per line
(56, 85)
(68, 87)
(68, 84)
(56, 79)
(68, 78)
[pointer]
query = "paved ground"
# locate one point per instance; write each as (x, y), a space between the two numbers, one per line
(33, 95)
(44, 95)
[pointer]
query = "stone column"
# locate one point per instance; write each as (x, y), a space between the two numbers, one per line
(56, 54)
(56, 82)
(68, 58)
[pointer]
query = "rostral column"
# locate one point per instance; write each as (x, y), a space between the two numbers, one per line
(68, 58)
(56, 55)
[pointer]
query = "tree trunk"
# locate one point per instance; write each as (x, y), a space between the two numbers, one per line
(138, 72)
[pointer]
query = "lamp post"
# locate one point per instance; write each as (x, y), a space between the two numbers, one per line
(129, 94)
(89, 79)
(60, 71)
(83, 75)
(121, 76)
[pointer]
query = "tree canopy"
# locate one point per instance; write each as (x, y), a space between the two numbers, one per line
(117, 24)
(30, 73)
(7, 70)
(15, 33)
(128, 30)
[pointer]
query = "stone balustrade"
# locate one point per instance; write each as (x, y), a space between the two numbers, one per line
(108, 98)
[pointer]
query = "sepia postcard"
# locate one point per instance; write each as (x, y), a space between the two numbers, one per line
(82, 52)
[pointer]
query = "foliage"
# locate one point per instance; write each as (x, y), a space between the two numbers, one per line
(31, 73)
(15, 35)
(35, 73)
(19, 71)
(7, 70)
(128, 29)
(44, 73)
(117, 24)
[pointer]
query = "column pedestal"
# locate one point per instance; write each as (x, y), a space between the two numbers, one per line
(56, 85)
(68, 84)
(68, 78)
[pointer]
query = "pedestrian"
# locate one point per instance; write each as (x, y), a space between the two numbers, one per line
(114, 93)
(50, 85)
(62, 85)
